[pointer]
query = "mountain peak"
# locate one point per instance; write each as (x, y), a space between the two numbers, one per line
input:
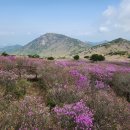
(111, 48)
(118, 40)
(53, 35)
(54, 44)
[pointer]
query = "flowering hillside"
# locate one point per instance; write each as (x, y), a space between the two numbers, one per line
(37, 94)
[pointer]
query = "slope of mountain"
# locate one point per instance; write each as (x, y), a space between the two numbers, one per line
(52, 44)
(115, 46)
(96, 43)
(10, 49)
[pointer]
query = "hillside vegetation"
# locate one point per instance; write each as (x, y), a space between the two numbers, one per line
(58, 45)
(52, 44)
(116, 47)
(39, 94)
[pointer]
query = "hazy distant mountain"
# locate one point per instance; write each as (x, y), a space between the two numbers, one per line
(96, 43)
(57, 45)
(52, 44)
(114, 46)
(102, 42)
(10, 49)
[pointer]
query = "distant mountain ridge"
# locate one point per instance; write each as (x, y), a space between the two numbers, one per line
(96, 43)
(10, 49)
(52, 44)
(113, 46)
(58, 45)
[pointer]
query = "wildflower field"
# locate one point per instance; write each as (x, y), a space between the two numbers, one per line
(38, 94)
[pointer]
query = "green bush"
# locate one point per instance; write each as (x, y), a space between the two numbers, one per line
(34, 56)
(4, 54)
(128, 55)
(121, 53)
(50, 58)
(50, 103)
(96, 57)
(86, 57)
(17, 89)
(76, 57)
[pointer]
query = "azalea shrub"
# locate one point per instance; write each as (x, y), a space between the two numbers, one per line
(63, 94)
(39, 94)
(110, 112)
(30, 114)
(119, 81)
(17, 90)
(74, 116)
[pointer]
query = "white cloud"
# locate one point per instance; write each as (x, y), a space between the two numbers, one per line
(110, 11)
(103, 29)
(117, 18)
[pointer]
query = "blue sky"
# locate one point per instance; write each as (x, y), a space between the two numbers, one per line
(89, 20)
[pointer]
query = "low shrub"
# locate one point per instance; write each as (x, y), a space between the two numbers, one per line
(18, 89)
(34, 56)
(51, 76)
(61, 95)
(96, 57)
(121, 84)
(50, 103)
(29, 113)
(50, 58)
(86, 57)
(75, 116)
(76, 57)
(4, 54)
(121, 53)
(110, 112)
(128, 55)
(13, 86)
